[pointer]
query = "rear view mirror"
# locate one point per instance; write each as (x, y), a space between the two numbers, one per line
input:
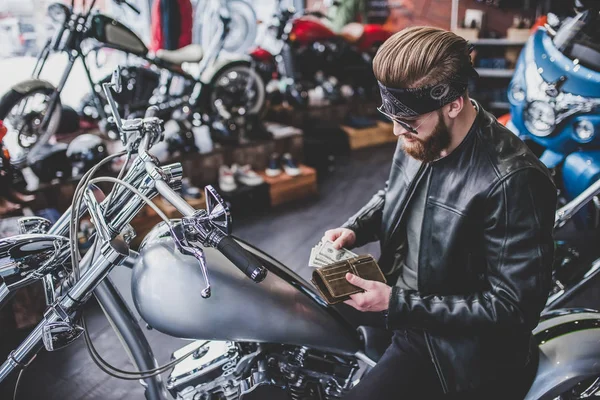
(115, 81)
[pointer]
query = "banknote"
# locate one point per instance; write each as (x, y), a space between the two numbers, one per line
(324, 253)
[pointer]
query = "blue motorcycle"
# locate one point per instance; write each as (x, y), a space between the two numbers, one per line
(555, 103)
(555, 109)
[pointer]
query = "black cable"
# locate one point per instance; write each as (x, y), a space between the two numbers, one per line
(120, 176)
(98, 360)
(107, 368)
(17, 384)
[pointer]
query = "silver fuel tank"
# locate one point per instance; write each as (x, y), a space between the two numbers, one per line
(166, 287)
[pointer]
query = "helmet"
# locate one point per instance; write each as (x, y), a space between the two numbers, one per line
(52, 163)
(85, 151)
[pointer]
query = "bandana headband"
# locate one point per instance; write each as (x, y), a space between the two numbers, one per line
(412, 102)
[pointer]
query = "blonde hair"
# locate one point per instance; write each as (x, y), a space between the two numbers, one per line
(420, 56)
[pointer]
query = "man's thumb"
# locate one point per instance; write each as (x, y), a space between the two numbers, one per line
(339, 242)
(358, 281)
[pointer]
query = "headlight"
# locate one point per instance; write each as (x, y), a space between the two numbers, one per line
(58, 13)
(543, 112)
(540, 118)
(584, 130)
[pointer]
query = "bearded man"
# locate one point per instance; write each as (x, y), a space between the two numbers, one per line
(465, 223)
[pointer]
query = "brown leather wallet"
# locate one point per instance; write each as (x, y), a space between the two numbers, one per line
(331, 279)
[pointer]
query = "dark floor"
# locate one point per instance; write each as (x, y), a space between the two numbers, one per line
(288, 233)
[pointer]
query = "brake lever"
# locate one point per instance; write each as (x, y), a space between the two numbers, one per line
(185, 247)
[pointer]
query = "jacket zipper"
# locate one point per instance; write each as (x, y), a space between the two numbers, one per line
(436, 363)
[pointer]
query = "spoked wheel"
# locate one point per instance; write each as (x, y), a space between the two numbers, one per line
(587, 389)
(238, 89)
(23, 113)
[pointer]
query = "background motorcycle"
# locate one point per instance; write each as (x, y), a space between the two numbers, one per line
(31, 109)
(311, 55)
(555, 103)
(555, 99)
(307, 350)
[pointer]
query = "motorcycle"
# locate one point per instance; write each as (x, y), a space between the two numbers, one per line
(312, 56)
(555, 103)
(31, 109)
(307, 350)
(554, 109)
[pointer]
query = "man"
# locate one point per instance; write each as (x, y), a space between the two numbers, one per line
(465, 224)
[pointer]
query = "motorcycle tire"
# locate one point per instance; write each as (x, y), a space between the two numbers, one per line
(8, 102)
(260, 105)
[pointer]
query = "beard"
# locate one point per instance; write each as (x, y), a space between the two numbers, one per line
(430, 149)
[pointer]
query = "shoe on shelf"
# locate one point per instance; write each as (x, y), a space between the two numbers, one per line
(245, 175)
(273, 168)
(289, 165)
(226, 179)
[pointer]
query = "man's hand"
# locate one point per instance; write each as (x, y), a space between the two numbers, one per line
(375, 298)
(341, 237)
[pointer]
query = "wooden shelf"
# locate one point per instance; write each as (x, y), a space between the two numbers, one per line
(495, 73)
(359, 138)
(284, 188)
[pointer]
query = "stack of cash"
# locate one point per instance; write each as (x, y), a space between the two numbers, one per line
(324, 254)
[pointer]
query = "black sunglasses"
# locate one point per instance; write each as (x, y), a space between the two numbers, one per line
(403, 124)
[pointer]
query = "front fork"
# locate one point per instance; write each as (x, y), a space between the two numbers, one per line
(54, 98)
(131, 336)
(41, 61)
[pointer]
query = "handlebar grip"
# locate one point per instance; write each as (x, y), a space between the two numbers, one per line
(245, 261)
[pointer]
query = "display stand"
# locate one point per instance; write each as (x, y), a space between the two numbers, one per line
(285, 188)
(202, 169)
(332, 113)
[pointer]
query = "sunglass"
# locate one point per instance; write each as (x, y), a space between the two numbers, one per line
(403, 124)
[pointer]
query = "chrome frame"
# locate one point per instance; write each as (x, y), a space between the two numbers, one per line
(562, 216)
(149, 179)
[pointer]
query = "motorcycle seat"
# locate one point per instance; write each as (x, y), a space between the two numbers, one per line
(375, 340)
(352, 32)
(191, 54)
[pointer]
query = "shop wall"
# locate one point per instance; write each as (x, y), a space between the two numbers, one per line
(497, 20)
(405, 13)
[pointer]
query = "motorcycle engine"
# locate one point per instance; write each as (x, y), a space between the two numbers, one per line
(248, 371)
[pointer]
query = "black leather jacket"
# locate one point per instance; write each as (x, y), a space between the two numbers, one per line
(485, 255)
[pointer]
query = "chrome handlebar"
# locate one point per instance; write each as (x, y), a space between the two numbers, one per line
(567, 212)
(202, 228)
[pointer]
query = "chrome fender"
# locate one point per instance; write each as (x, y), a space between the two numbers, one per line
(569, 351)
